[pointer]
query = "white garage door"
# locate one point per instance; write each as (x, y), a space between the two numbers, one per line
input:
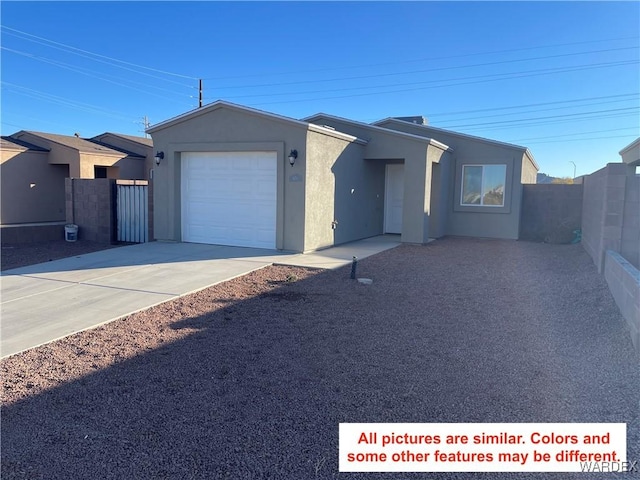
(229, 198)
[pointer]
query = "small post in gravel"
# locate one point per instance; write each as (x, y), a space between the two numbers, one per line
(354, 264)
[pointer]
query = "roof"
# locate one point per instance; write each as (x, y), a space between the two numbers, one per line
(376, 128)
(13, 144)
(458, 134)
(252, 111)
(631, 153)
(77, 143)
(147, 142)
(117, 149)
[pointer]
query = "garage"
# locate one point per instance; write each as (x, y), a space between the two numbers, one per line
(229, 198)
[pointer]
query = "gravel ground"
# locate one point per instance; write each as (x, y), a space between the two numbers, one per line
(249, 379)
(14, 256)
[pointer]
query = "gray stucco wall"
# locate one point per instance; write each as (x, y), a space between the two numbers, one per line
(32, 189)
(341, 186)
(231, 130)
(417, 156)
(307, 188)
(441, 191)
(492, 222)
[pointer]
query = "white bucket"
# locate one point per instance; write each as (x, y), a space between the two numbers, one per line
(71, 232)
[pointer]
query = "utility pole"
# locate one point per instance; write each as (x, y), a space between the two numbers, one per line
(574, 169)
(145, 123)
(200, 94)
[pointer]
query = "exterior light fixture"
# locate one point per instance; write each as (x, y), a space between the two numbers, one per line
(292, 157)
(159, 156)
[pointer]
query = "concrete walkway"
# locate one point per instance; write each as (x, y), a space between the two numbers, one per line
(44, 302)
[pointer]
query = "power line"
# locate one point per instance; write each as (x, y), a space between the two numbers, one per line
(433, 116)
(87, 54)
(426, 59)
(491, 77)
(507, 76)
(594, 112)
(539, 104)
(87, 72)
(428, 70)
(573, 134)
(30, 92)
(502, 115)
(582, 139)
(550, 120)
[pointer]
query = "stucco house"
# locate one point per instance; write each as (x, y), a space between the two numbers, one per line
(35, 165)
(234, 175)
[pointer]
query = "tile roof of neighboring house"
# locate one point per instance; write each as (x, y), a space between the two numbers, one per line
(13, 143)
(80, 144)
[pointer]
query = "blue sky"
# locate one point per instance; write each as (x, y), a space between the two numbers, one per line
(559, 77)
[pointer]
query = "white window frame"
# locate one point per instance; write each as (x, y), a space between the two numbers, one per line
(482, 186)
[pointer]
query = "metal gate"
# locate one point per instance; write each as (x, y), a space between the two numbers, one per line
(132, 204)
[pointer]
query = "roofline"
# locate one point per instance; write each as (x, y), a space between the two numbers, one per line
(427, 140)
(382, 129)
(17, 143)
(113, 152)
(526, 150)
(129, 138)
(281, 118)
(117, 149)
(629, 147)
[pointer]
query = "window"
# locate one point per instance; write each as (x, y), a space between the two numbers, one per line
(99, 172)
(483, 185)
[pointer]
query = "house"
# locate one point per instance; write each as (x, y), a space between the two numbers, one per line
(86, 158)
(30, 185)
(135, 147)
(234, 175)
(35, 165)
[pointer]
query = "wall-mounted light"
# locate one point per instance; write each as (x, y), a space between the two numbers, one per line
(292, 157)
(159, 156)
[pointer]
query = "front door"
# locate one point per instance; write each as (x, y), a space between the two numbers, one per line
(393, 198)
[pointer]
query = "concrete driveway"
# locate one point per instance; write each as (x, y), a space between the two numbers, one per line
(44, 302)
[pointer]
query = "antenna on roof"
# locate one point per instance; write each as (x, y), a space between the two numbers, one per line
(77, 135)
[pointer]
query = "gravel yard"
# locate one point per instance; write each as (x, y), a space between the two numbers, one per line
(249, 379)
(14, 256)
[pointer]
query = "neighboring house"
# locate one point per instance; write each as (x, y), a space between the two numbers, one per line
(225, 178)
(86, 158)
(136, 147)
(35, 165)
(32, 189)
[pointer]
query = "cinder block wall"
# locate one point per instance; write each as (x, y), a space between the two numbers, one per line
(603, 211)
(90, 205)
(550, 212)
(624, 282)
(630, 245)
